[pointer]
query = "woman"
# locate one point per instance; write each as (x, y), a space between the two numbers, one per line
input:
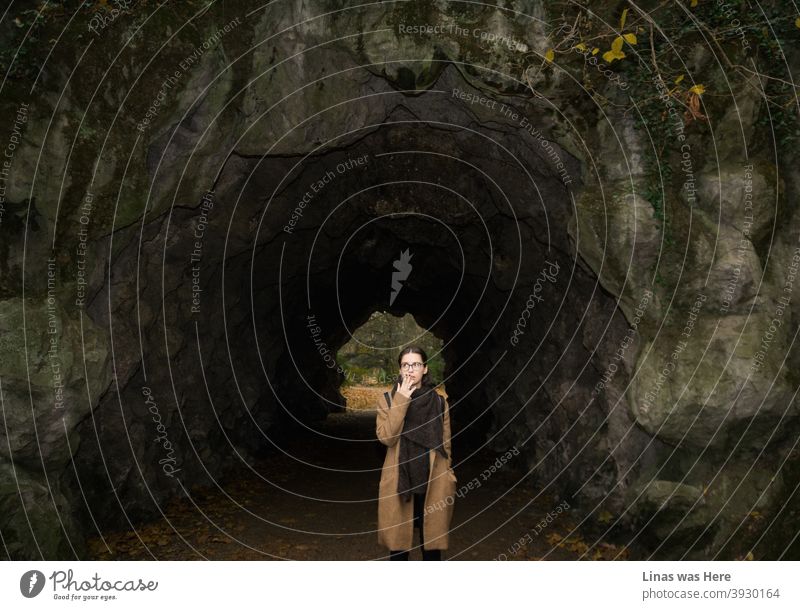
(417, 487)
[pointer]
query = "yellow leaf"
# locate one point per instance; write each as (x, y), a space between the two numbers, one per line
(622, 19)
(797, 22)
(580, 46)
(595, 50)
(698, 90)
(611, 55)
(679, 79)
(616, 50)
(694, 3)
(630, 38)
(749, 556)
(549, 55)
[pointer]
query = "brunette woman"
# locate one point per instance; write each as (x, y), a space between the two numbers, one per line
(417, 487)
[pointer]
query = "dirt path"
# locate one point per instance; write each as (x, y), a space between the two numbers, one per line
(327, 509)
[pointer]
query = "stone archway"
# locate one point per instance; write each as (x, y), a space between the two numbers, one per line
(230, 223)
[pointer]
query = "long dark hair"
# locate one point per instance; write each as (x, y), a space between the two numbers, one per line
(415, 349)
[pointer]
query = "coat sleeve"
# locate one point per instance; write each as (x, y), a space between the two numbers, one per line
(446, 431)
(389, 422)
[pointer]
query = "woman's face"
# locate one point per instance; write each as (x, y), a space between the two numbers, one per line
(416, 369)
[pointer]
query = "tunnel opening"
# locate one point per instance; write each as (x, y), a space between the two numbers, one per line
(269, 275)
(368, 361)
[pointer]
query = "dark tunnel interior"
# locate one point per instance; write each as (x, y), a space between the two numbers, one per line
(475, 260)
(196, 229)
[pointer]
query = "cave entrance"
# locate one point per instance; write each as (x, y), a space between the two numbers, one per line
(464, 225)
(289, 181)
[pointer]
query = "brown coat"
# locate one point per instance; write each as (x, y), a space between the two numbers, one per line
(395, 517)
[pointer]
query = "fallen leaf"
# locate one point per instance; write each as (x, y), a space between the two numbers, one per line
(554, 538)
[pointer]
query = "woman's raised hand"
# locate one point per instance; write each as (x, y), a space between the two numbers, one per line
(405, 387)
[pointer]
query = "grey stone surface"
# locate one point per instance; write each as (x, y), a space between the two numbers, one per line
(221, 383)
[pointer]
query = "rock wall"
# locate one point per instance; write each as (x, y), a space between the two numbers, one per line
(631, 331)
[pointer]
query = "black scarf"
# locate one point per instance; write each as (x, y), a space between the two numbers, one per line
(423, 430)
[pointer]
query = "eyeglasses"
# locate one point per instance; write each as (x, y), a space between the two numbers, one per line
(411, 365)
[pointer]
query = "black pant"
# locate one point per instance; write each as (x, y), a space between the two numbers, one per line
(419, 510)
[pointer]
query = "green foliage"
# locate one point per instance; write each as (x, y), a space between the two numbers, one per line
(659, 170)
(18, 51)
(371, 356)
(777, 121)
